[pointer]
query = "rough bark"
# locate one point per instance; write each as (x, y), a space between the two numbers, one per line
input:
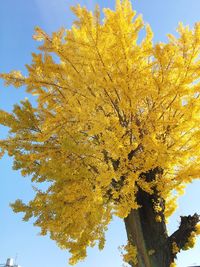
(187, 226)
(148, 235)
(154, 246)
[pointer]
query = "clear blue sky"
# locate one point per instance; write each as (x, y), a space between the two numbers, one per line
(17, 21)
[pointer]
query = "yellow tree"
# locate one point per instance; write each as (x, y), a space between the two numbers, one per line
(115, 132)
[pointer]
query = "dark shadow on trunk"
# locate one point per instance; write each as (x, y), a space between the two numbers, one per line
(146, 229)
(149, 236)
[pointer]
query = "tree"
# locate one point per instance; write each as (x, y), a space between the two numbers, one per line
(115, 132)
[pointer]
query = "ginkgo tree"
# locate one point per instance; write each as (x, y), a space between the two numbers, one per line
(115, 132)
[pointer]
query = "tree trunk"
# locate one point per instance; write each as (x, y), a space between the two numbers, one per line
(149, 236)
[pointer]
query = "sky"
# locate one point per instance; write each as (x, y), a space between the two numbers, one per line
(20, 240)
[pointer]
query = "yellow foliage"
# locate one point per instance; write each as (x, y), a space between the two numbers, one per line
(130, 254)
(158, 218)
(171, 205)
(191, 241)
(192, 238)
(175, 248)
(151, 252)
(108, 95)
(197, 229)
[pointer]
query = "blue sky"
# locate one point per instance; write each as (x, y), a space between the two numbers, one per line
(17, 21)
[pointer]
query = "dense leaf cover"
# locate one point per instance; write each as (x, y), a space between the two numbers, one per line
(110, 109)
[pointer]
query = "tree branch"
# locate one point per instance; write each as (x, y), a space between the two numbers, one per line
(181, 236)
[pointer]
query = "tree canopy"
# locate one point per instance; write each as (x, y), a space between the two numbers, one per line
(111, 107)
